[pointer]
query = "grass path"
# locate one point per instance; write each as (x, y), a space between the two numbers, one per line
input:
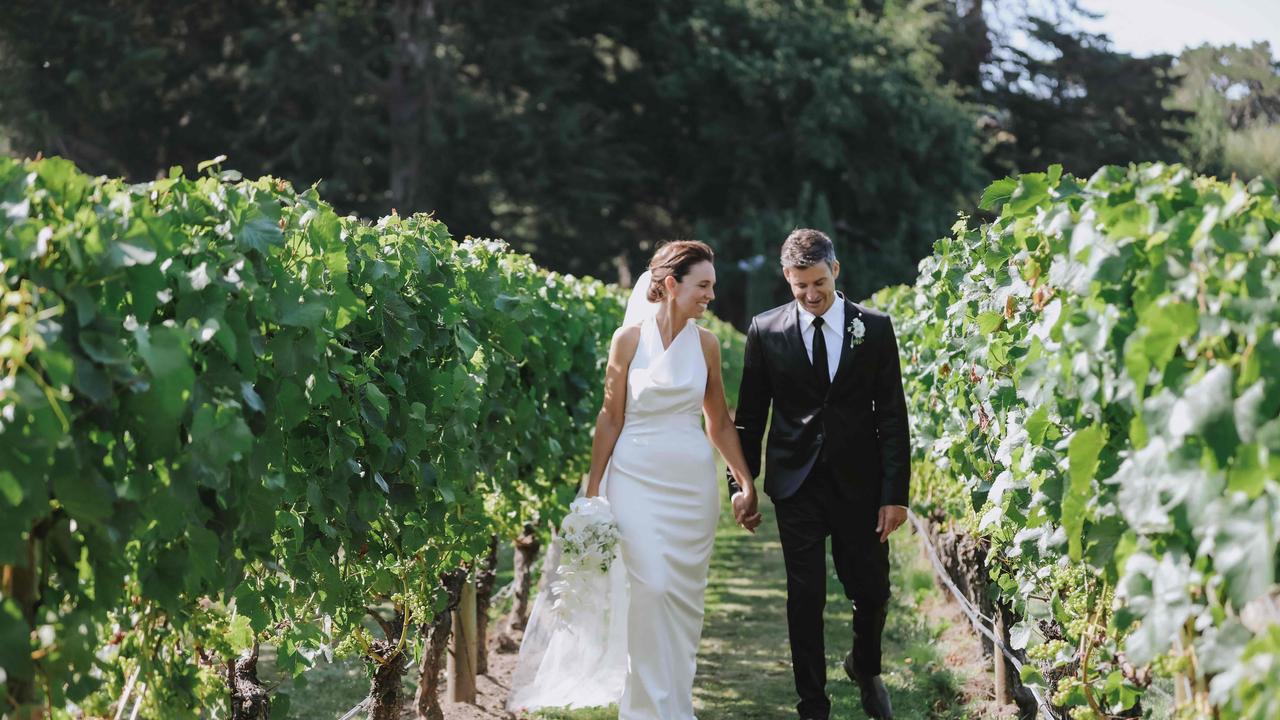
(932, 660)
(744, 666)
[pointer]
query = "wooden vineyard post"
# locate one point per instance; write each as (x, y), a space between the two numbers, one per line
(462, 656)
(1004, 689)
(485, 580)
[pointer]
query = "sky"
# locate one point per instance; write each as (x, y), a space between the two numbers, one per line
(1145, 27)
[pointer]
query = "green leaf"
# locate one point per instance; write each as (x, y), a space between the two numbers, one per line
(261, 232)
(291, 404)
(307, 311)
(467, 343)
(10, 489)
(504, 303)
(446, 489)
(1203, 402)
(280, 702)
(1162, 329)
(130, 251)
(86, 495)
(251, 397)
(1037, 424)
(1082, 464)
(219, 437)
(204, 164)
(240, 634)
(1249, 470)
(159, 410)
(144, 282)
(988, 322)
(15, 641)
(1032, 189)
(368, 505)
(1246, 542)
(202, 546)
(1156, 592)
(997, 193)
(67, 184)
(378, 400)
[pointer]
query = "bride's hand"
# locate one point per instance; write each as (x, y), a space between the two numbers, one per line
(745, 507)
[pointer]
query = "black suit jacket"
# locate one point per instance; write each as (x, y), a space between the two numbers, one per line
(859, 426)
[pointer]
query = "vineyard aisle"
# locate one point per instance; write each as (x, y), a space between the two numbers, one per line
(933, 665)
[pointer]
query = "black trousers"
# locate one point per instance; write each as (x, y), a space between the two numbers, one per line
(818, 510)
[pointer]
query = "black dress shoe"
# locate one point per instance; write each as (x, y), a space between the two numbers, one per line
(875, 696)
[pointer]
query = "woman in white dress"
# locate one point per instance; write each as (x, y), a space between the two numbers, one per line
(653, 461)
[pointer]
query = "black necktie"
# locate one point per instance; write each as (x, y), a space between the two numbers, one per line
(820, 355)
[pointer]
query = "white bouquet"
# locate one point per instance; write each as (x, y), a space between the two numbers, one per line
(589, 541)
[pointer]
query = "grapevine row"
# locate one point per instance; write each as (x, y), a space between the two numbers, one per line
(1094, 379)
(230, 416)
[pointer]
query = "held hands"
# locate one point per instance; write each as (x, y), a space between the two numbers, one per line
(890, 519)
(745, 508)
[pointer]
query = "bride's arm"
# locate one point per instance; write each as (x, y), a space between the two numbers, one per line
(609, 422)
(720, 427)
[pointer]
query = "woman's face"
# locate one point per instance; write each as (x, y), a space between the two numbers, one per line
(695, 292)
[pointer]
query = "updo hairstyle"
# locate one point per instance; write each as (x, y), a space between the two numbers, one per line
(674, 259)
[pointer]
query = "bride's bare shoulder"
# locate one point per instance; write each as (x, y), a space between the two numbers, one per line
(710, 343)
(627, 338)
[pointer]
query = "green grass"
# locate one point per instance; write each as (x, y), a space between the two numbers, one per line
(330, 689)
(744, 661)
(326, 689)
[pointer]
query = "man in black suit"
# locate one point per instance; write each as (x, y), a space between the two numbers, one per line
(837, 462)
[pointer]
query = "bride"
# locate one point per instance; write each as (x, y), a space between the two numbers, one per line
(653, 462)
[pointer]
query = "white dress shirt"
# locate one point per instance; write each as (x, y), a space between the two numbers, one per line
(832, 330)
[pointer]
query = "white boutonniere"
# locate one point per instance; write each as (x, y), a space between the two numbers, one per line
(857, 332)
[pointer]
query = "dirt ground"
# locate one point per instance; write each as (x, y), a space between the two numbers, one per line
(491, 690)
(962, 650)
(958, 645)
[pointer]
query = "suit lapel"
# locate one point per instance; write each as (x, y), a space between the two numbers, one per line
(847, 349)
(793, 340)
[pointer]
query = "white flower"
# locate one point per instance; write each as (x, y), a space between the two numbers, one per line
(589, 536)
(857, 332)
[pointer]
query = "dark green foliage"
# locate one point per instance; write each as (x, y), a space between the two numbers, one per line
(580, 130)
(1098, 370)
(229, 416)
(1234, 93)
(1084, 107)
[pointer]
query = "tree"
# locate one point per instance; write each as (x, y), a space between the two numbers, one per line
(580, 130)
(1053, 93)
(1234, 93)
(1087, 106)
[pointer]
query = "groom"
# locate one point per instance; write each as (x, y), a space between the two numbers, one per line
(837, 463)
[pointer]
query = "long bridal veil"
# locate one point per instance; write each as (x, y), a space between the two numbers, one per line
(578, 660)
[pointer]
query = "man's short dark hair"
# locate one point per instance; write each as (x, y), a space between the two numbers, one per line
(806, 247)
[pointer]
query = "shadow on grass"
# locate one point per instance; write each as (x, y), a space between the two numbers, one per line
(744, 661)
(918, 679)
(744, 667)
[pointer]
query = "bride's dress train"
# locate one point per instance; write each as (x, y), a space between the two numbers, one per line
(661, 485)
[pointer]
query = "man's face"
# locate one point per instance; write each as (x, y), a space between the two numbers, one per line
(814, 287)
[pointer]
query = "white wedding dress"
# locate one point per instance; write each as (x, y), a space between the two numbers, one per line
(661, 485)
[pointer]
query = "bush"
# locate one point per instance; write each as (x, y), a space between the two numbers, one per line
(1099, 370)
